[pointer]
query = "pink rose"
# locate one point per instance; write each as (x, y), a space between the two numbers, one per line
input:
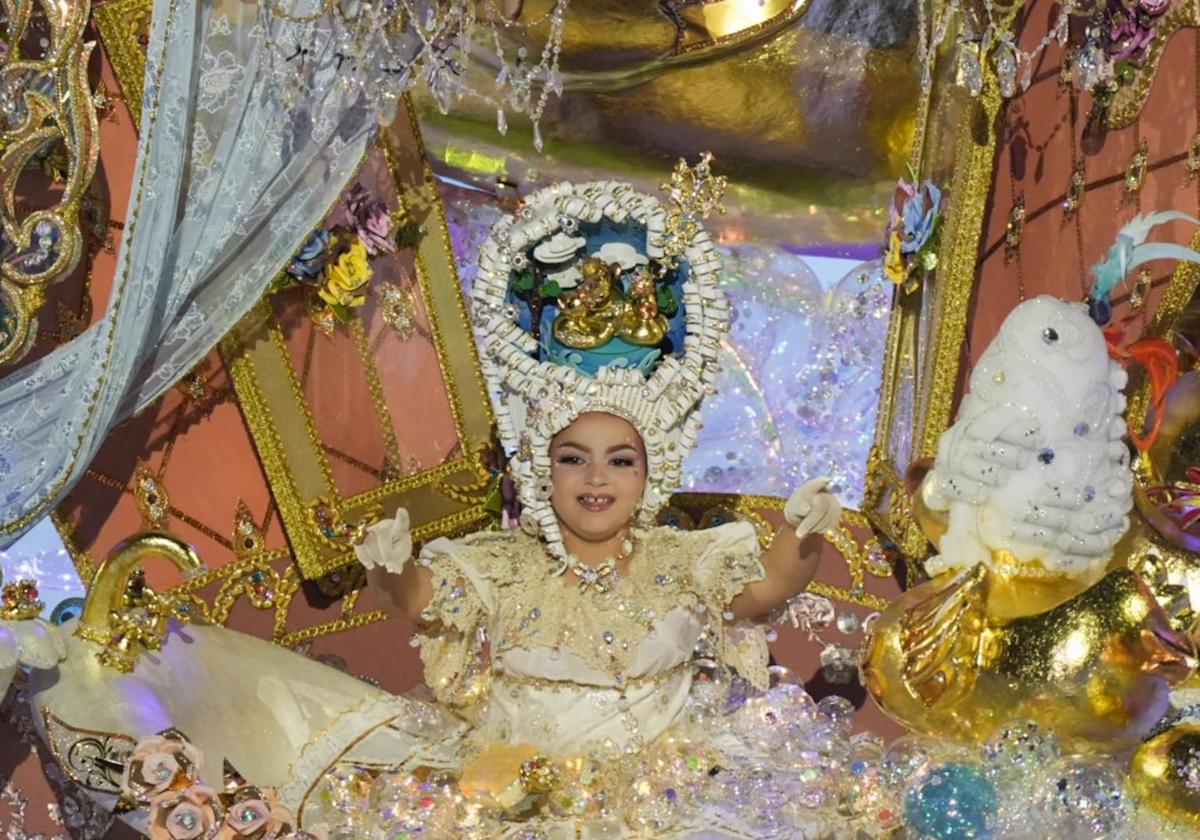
(158, 764)
(255, 813)
(186, 815)
(1154, 8)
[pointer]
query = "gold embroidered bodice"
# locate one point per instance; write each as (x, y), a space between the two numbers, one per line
(501, 619)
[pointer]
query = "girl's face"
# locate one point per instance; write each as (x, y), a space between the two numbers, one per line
(598, 472)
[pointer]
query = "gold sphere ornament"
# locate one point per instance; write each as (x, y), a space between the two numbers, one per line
(1165, 774)
(1096, 668)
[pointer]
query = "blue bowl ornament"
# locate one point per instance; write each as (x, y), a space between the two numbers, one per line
(951, 801)
(598, 300)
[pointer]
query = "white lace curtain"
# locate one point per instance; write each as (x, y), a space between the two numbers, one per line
(229, 180)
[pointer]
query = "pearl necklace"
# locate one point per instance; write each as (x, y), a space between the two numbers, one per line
(604, 575)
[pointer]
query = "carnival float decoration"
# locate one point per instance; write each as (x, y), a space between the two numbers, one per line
(1042, 659)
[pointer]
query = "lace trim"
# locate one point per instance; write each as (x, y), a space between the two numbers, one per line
(324, 749)
(543, 684)
(723, 572)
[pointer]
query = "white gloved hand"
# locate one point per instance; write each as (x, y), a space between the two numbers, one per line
(388, 543)
(812, 508)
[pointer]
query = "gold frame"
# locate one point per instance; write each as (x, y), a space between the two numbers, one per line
(285, 433)
(119, 22)
(887, 501)
(268, 391)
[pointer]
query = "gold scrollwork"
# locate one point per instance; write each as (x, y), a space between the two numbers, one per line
(93, 759)
(50, 104)
(479, 487)
(333, 529)
(123, 25)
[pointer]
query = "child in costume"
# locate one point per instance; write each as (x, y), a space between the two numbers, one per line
(567, 646)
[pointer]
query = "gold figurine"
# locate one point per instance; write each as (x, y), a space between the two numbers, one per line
(591, 313)
(642, 323)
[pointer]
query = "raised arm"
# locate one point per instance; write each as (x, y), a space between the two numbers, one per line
(404, 588)
(791, 561)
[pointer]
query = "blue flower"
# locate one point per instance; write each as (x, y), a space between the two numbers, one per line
(313, 256)
(918, 217)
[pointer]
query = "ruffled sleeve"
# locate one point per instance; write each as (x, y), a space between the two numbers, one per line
(727, 562)
(452, 634)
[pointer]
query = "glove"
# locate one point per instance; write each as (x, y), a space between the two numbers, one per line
(388, 543)
(812, 508)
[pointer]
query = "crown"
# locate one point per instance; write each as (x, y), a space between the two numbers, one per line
(595, 297)
(19, 601)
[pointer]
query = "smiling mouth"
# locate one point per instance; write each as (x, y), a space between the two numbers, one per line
(596, 503)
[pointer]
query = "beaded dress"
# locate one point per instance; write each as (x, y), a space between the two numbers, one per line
(598, 687)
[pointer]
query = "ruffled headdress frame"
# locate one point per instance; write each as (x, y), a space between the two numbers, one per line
(540, 267)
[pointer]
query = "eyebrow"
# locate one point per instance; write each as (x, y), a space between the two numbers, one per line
(572, 444)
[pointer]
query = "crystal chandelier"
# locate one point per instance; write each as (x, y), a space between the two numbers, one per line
(384, 47)
(984, 33)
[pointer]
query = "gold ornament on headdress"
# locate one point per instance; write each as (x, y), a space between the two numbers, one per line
(696, 194)
(642, 323)
(591, 313)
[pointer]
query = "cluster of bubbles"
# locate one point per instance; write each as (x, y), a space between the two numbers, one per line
(775, 764)
(798, 393)
(1019, 786)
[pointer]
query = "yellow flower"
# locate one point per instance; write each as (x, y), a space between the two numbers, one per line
(893, 262)
(346, 280)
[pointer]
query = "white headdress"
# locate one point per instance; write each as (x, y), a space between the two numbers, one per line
(541, 386)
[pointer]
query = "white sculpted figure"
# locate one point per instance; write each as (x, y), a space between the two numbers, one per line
(1034, 472)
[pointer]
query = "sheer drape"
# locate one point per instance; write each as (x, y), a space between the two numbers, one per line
(229, 180)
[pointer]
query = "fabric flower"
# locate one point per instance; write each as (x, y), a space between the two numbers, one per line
(1129, 33)
(255, 813)
(313, 256)
(346, 279)
(893, 261)
(1154, 8)
(186, 815)
(369, 218)
(159, 764)
(918, 216)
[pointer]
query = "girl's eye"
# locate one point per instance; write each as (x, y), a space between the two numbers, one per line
(569, 459)
(622, 462)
